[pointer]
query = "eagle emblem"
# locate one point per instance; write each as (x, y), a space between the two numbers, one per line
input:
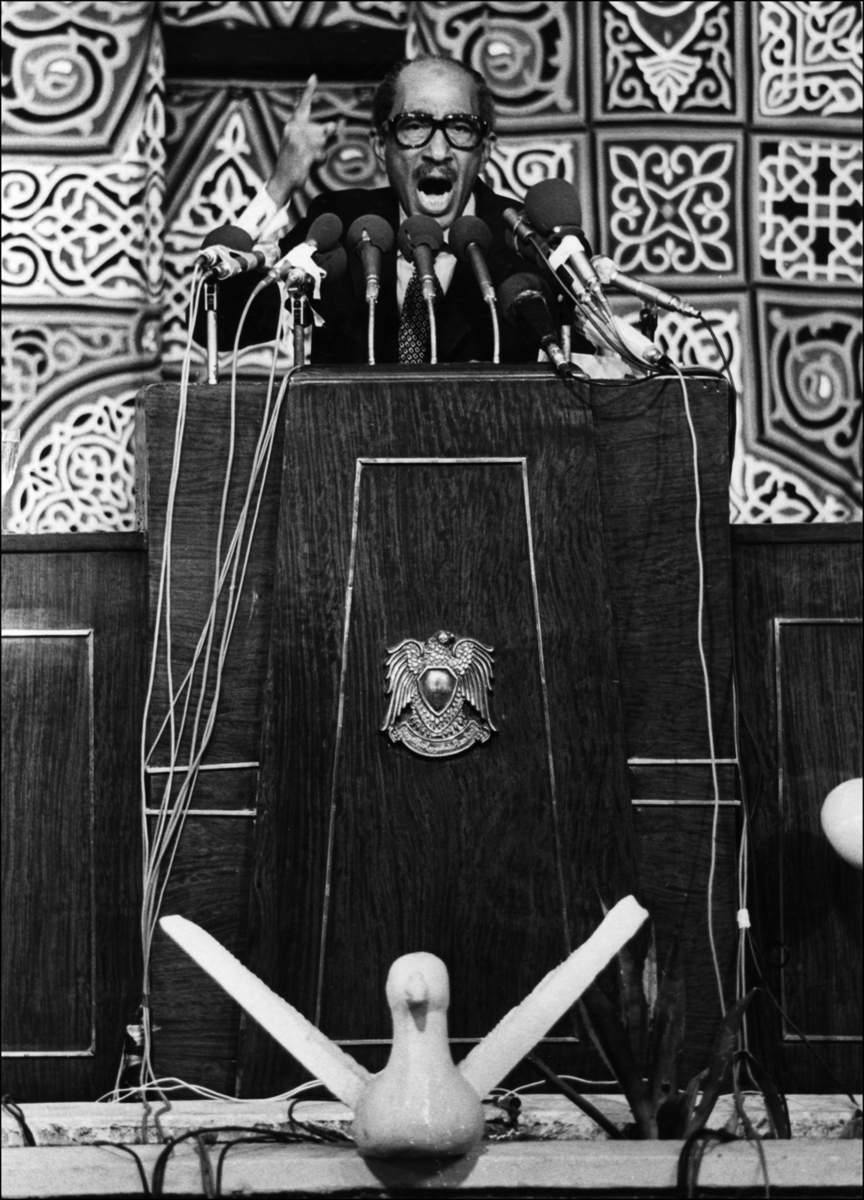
(444, 684)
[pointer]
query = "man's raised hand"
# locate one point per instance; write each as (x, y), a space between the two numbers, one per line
(303, 143)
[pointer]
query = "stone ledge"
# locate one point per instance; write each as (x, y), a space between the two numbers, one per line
(543, 1117)
(607, 1168)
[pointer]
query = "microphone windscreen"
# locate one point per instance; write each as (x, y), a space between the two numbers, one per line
(419, 231)
(378, 231)
(326, 230)
(466, 230)
(552, 202)
(230, 236)
(517, 285)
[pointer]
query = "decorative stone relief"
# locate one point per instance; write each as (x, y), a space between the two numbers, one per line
(673, 207)
(680, 59)
(76, 472)
(525, 50)
(808, 218)
(808, 62)
(304, 14)
(70, 71)
(808, 413)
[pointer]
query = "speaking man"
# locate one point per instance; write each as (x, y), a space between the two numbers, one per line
(433, 131)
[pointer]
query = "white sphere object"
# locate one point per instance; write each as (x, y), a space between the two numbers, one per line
(841, 820)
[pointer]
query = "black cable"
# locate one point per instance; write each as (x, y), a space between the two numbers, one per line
(15, 1112)
(145, 1186)
(585, 1105)
(804, 1038)
(688, 1164)
(208, 1183)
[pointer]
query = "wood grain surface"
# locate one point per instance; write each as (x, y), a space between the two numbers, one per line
(815, 580)
(450, 540)
(203, 467)
(49, 803)
(648, 496)
(47, 843)
(457, 856)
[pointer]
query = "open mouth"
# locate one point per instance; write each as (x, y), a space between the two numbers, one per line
(434, 193)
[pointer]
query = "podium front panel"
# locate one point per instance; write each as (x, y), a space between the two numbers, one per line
(414, 502)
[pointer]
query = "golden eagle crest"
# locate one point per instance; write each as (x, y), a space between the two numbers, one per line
(434, 680)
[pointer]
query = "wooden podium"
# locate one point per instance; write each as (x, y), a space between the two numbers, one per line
(554, 526)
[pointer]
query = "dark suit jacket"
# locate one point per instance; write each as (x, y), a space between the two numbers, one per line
(463, 321)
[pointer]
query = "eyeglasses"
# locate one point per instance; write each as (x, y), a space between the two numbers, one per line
(412, 130)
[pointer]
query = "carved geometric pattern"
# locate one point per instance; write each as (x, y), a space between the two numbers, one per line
(808, 63)
(762, 489)
(525, 50)
(674, 207)
(48, 352)
(76, 467)
(302, 14)
(677, 59)
(78, 231)
(809, 414)
(808, 220)
(82, 253)
(69, 72)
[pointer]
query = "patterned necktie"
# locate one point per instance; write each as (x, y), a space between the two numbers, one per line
(414, 339)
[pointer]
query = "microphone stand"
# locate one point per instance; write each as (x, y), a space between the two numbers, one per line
(298, 285)
(211, 299)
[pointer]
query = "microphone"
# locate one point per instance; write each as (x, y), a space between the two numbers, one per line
(298, 263)
(552, 202)
(232, 237)
(420, 238)
(370, 237)
(553, 207)
(223, 263)
(609, 274)
(470, 239)
(523, 300)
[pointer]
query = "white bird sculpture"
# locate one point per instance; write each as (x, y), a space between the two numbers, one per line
(421, 1104)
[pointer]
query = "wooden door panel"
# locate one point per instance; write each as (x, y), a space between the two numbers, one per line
(47, 840)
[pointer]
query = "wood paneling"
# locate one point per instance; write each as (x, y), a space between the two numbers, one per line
(674, 868)
(648, 496)
(203, 468)
(104, 591)
(776, 578)
(456, 856)
(819, 704)
(47, 819)
(197, 1024)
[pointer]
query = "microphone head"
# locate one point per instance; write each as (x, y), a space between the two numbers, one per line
(552, 202)
(466, 230)
(230, 236)
(419, 231)
(519, 285)
(326, 231)
(378, 231)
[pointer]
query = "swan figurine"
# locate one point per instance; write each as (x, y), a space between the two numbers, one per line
(421, 1104)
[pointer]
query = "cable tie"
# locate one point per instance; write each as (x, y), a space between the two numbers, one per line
(743, 918)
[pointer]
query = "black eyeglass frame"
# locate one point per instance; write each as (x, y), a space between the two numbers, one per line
(435, 124)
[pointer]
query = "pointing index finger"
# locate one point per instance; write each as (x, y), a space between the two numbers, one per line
(304, 104)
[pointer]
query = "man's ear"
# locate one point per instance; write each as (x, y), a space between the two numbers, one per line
(377, 143)
(487, 149)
